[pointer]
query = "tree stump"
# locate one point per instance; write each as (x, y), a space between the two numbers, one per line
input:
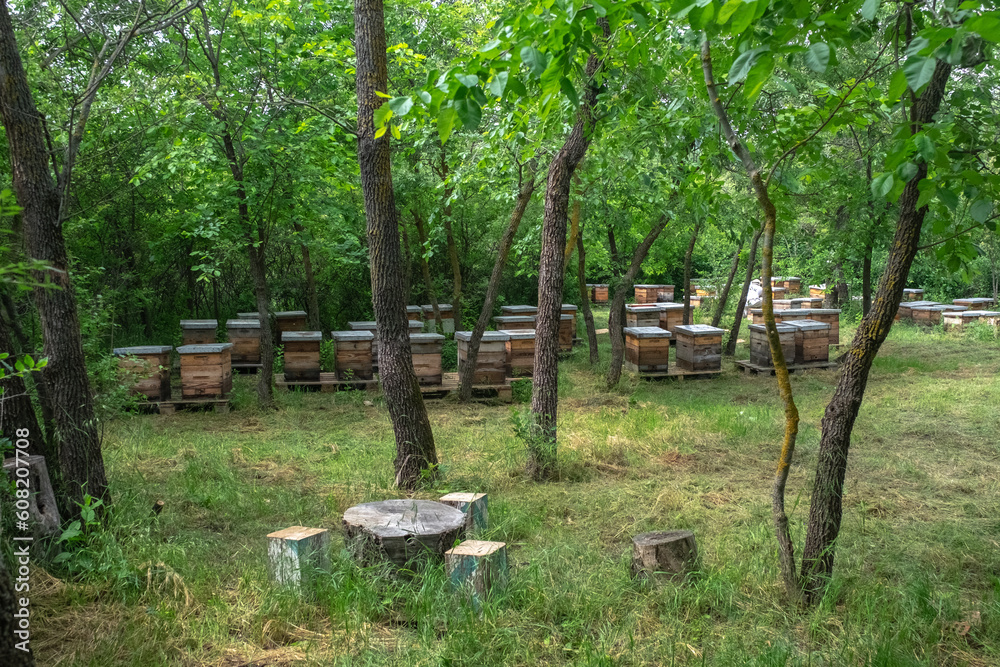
(401, 531)
(296, 552)
(672, 553)
(475, 506)
(475, 567)
(29, 473)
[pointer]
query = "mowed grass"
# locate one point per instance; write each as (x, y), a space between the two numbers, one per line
(917, 570)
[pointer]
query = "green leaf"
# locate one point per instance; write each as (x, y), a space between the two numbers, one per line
(758, 76)
(395, 131)
(743, 17)
(600, 7)
(818, 57)
(948, 198)
(425, 97)
(490, 46)
(702, 17)
(882, 185)
(870, 9)
(927, 190)
(728, 10)
(924, 146)
(534, 59)
(446, 121)
(498, 83)
(907, 171)
(986, 25)
(897, 86)
(401, 105)
(918, 71)
(468, 80)
(569, 91)
(382, 114)
(981, 210)
(742, 65)
(380, 131)
(469, 113)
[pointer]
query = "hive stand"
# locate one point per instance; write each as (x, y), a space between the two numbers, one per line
(297, 555)
(401, 531)
(151, 366)
(198, 332)
(244, 334)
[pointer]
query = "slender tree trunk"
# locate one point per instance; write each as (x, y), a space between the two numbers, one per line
(687, 273)
(425, 268)
(456, 267)
(415, 452)
(741, 306)
(826, 509)
(616, 260)
(312, 296)
(616, 317)
(866, 261)
(258, 270)
(588, 316)
(38, 196)
(545, 395)
(407, 263)
(215, 300)
(493, 288)
(724, 296)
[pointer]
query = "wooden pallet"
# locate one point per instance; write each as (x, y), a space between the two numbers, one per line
(680, 374)
(247, 368)
(220, 405)
(449, 385)
(327, 383)
(748, 367)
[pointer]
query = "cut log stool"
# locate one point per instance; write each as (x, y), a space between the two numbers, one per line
(244, 334)
(699, 347)
(491, 364)
(301, 355)
(425, 351)
(647, 349)
(31, 473)
(760, 348)
(401, 531)
(151, 366)
(673, 553)
(475, 507)
(354, 354)
(296, 554)
(290, 320)
(198, 332)
(206, 370)
(476, 567)
(520, 348)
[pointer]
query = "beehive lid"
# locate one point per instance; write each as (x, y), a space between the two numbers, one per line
(591, 285)
(953, 307)
(641, 307)
(292, 336)
(565, 317)
(792, 313)
(975, 299)
(210, 348)
(507, 319)
(414, 309)
(441, 306)
(909, 290)
(290, 314)
(569, 306)
(792, 278)
(488, 336)
(698, 330)
(520, 309)
(415, 326)
(823, 286)
(652, 286)
(519, 334)
(346, 336)
(810, 325)
(820, 311)
(671, 306)
(248, 316)
(606, 285)
(141, 349)
(362, 326)
(914, 304)
(425, 337)
(979, 313)
(647, 332)
(199, 324)
(243, 324)
(784, 301)
(804, 299)
(783, 327)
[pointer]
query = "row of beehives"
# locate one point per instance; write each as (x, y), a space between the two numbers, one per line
(953, 316)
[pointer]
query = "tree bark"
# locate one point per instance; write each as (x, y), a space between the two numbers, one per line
(724, 296)
(66, 373)
(456, 267)
(741, 306)
(616, 261)
(44, 401)
(687, 273)
(826, 508)
(616, 318)
(588, 316)
(16, 408)
(312, 296)
(415, 452)
(545, 394)
(425, 268)
(465, 371)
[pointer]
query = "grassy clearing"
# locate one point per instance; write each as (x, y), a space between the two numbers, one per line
(919, 549)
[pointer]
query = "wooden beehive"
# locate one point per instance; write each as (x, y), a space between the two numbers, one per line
(647, 349)
(353, 357)
(491, 362)
(244, 334)
(206, 370)
(807, 302)
(975, 303)
(703, 290)
(913, 294)
(776, 281)
(829, 316)
(665, 294)
(760, 348)
(778, 292)
(817, 290)
(905, 307)
(671, 316)
(699, 347)
(567, 332)
(415, 314)
(598, 292)
(249, 316)
(198, 332)
(932, 315)
(648, 293)
(642, 315)
(757, 315)
(783, 304)
(570, 309)
(958, 319)
(425, 350)
(447, 316)
(301, 355)
(515, 322)
(519, 310)
(150, 364)
(290, 320)
(415, 327)
(812, 341)
(371, 327)
(520, 348)
(792, 284)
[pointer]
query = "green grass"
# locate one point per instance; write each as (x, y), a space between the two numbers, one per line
(919, 548)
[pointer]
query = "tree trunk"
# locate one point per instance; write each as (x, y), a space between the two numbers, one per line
(258, 270)
(545, 395)
(66, 374)
(866, 280)
(741, 306)
(312, 296)
(616, 261)
(425, 268)
(826, 509)
(724, 296)
(456, 267)
(588, 316)
(415, 453)
(407, 263)
(44, 400)
(465, 371)
(687, 273)
(16, 408)
(616, 318)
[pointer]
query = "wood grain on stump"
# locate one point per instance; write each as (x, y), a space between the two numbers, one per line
(402, 530)
(672, 553)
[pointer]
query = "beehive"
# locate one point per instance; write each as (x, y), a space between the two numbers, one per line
(703, 290)
(447, 316)
(415, 314)
(671, 316)
(290, 320)
(150, 364)
(425, 350)
(206, 370)
(975, 303)
(757, 315)
(778, 292)
(650, 293)
(904, 312)
(371, 327)
(932, 315)
(812, 341)
(353, 357)
(518, 310)
(647, 349)
(198, 332)
(567, 332)
(244, 334)
(817, 290)
(783, 304)
(699, 347)
(665, 294)
(491, 362)
(958, 319)
(807, 302)
(642, 315)
(913, 295)
(415, 326)
(830, 316)
(760, 348)
(520, 352)
(301, 355)
(515, 322)
(599, 293)
(249, 316)
(570, 309)
(792, 284)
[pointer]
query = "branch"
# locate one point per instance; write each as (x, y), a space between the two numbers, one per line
(953, 236)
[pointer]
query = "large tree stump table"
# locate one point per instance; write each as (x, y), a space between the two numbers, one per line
(402, 531)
